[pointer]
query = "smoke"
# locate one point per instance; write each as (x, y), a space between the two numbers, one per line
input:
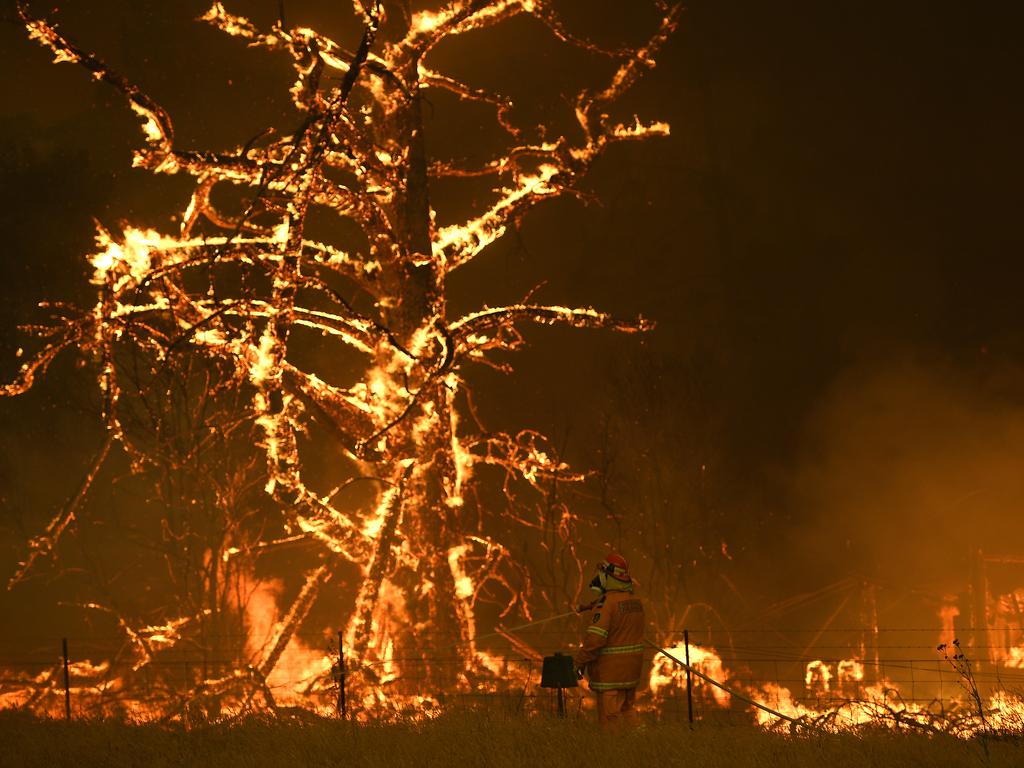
(907, 469)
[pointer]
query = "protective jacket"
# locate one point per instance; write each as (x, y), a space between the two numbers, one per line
(612, 651)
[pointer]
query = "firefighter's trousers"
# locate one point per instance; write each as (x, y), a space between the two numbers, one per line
(615, 707)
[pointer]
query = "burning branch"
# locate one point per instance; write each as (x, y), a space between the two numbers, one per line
(44, 544)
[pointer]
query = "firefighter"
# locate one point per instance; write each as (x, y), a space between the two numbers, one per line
(611, 654)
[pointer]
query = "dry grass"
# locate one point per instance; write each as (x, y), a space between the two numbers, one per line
(464, 740)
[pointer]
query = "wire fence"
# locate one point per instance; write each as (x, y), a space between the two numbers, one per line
(815, 669)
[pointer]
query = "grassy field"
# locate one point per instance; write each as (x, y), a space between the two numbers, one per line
(465, 740)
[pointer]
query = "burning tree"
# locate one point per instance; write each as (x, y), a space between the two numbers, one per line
(222, 310)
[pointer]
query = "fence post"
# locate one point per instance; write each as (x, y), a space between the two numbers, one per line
(942, 701)
(689, 679)
(67, 681)
(342, 704)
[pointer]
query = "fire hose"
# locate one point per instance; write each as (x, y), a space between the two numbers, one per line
(692, 670)
(728, 690)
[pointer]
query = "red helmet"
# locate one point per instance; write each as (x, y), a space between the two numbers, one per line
(615, 565)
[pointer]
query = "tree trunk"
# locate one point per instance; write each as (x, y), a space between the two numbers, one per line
(426, 622)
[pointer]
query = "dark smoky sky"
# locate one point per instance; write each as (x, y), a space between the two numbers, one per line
(830, 242)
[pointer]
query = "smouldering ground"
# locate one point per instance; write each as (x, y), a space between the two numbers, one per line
(464, 740)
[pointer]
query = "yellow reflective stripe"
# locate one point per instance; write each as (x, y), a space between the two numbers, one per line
(597, 630)
(612, 686)
(622, 649)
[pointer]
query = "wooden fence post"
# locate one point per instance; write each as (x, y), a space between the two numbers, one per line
(67, 681)
(689, 679)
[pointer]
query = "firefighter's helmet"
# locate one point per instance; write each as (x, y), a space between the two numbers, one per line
(615, 565)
